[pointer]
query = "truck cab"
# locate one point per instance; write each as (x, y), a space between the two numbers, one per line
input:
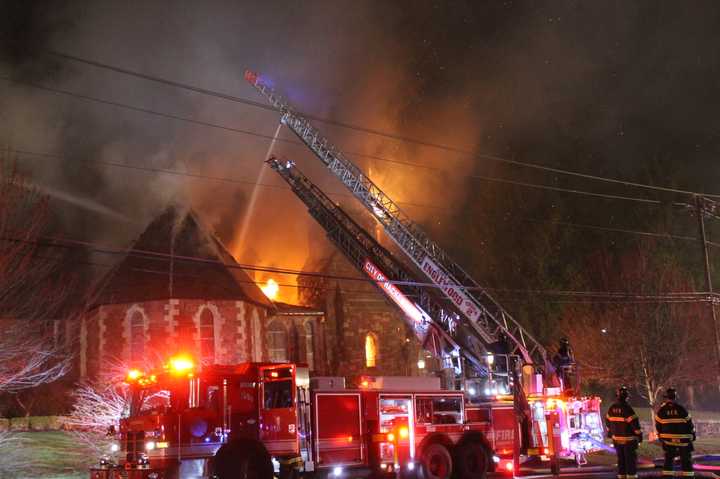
(181, 418)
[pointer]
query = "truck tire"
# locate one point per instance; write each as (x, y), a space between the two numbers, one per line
(435, 462)
(289, 472)
(471, 461)
(245, 459)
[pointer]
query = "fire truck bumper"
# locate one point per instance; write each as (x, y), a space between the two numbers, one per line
(122, 473)
(345, 472)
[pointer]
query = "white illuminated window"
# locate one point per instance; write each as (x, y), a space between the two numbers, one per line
(371, 347)
(207, 336)
(309, 346)
(277, 342)
(137, 337)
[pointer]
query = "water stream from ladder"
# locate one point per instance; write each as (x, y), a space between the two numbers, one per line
(250, 212)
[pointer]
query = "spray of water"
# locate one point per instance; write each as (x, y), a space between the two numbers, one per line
(249, 213)
(82, 202)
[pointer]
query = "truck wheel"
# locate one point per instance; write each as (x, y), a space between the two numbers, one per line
(435, 462)
(289, 472)
(243, 460)
(471, 461)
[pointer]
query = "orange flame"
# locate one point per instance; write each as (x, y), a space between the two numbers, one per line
(271, 289)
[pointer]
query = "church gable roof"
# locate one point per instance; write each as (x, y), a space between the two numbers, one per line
(178, 257)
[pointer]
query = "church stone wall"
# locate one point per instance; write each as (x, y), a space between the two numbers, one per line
(170, 326)
(354, 310)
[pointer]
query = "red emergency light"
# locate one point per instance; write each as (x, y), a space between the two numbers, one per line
(180, 365)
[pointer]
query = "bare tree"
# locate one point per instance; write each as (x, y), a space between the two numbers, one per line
(97, 407)
(33, 290)
(645, 342)
(101, 404)
(27, 361)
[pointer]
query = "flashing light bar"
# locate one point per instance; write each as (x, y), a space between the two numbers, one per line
(134, 375)
(180, 365)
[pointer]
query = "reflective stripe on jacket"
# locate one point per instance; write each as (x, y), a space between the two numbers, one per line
(622, 423)
(674, 425)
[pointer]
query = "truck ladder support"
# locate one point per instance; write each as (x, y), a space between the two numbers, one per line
(486, 316)
(359, 247)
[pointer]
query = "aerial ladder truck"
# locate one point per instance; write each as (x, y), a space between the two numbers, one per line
(469, 322)
(255, 420)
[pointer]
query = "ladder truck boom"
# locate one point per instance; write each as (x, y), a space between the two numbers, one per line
(485, 315)
(432, 317)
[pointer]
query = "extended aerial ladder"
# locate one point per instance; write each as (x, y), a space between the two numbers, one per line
(469, 322)
(478, 309)
(432, 318)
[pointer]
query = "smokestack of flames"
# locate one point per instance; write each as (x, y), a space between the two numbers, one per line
(271, 289)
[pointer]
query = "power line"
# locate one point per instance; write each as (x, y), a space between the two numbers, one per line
(347, 195)
(199, 176)
(614, 301)
(56, 242)
(298, 143)
(586, 296)
(616, 230)
(372, 131)
(596, 298)
(566, 190)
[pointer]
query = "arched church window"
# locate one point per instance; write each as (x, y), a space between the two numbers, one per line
(277, 342)
(371, 350)
(137, 337)
(309, 345)
(206, 330)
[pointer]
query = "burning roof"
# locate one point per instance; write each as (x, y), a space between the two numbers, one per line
(177, 257)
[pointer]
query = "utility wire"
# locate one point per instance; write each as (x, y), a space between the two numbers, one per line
(671, 296)
(199, 176)
(668, 298)
(372, 131)
(298, 143)
(346, 195)
(56, 242)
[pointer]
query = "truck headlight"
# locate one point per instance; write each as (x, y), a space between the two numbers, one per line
(114, 447)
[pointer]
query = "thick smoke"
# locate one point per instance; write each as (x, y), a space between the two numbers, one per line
(583, 85)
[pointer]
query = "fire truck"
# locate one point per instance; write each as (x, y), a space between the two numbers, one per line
(498, 397)
(483, 350)
(254, 420)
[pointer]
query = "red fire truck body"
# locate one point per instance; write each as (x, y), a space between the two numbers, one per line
(260, 417)
(401, 424)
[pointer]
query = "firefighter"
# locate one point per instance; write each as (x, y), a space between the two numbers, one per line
(623, 427)
(676, 432)
(564, 363)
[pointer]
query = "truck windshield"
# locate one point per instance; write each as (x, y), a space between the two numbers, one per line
(142, 401)
(277, 394)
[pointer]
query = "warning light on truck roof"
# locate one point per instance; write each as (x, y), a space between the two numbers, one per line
(181, 364)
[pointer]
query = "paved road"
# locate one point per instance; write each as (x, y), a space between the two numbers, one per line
(600, 475)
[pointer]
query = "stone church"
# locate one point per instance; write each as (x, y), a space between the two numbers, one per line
(179, 289)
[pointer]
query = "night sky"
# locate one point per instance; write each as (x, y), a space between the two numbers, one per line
(614, 88)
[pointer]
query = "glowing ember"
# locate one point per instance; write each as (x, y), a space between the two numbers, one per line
(271, 289)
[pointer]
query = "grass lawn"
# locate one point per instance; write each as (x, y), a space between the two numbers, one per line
(645, 415)
(650, 451)
(52, 455)
(59, 455)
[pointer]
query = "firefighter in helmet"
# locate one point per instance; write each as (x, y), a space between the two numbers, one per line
(676, 432)
(623, 427)
(564, 364)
